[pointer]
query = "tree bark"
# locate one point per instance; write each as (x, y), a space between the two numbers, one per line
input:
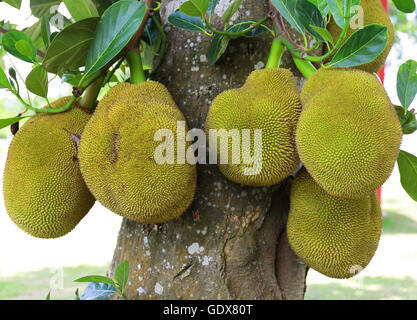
(231, 243)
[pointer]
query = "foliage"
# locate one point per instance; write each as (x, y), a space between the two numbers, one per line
(94, 43)
(101, 287)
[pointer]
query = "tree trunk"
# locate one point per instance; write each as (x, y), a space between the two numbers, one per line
(231, 243)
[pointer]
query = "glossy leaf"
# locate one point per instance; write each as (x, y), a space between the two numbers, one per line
(97, 279)
(81, 9)
(324, 34)
(407, 6)
(309, 16)
(122, 274)
(25, 48)
(44, 7)
(407, 164)
(322, 5)
(288, 11)
(195, 8)
(410, 126)
(364, 46)
(9, 121)
(217, 48)
(231, 10)
(45, 31)
(9, 41)
(407, 83)
(338, 8)
(95, 291)
(37, 81)
(117, 26)
(212, 7)
(182, 21)
(69, 49)
(14, 3)
(4, 82)
(240, 26)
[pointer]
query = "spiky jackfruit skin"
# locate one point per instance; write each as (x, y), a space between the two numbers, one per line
(373, 13)
(117, 155)
(334, 236)
(348, 136)
(269, 101)
(44, 192)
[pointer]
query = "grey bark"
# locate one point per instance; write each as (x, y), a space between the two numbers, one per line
(231, 243)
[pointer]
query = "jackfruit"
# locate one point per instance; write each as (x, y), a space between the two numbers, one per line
(44, 192)
(373, 13)
(268, 101)
(348, 136)
(118, 159)
(334, 236)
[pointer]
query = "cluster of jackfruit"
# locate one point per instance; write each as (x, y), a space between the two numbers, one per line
(44, 191)
(347, 135)
(52, 179)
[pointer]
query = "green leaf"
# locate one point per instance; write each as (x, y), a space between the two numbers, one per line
(14, 3)
(411, 125)
(287, 10)
(338, 8)
(364, 46)
(182, 21)
(212, 7)
(322, 5)
(4, 82)
(218, 47)
(96, 279)
(309, 15)
(81, 9)
(9, 41)
(122, 274)
(240, 26)
(407, 83)
(9, 121)
(37, 81)
(95, 291)
(117, 26)
(231, 10)
(324, 34)
(195, 8)
(407, 6)
(44, 7)
(69, 49)
(48, 297)
(45, 31)
(407, 163)
(24, 48)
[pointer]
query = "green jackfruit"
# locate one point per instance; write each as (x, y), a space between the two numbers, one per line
(334, 236)
(348, 135)
(44, 192)
(268, 101)
(117, 155)
(373, 13)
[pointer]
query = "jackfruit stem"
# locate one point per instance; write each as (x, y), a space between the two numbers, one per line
(275, 55)
(89, 99)
(306, 67)
(134, 60)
